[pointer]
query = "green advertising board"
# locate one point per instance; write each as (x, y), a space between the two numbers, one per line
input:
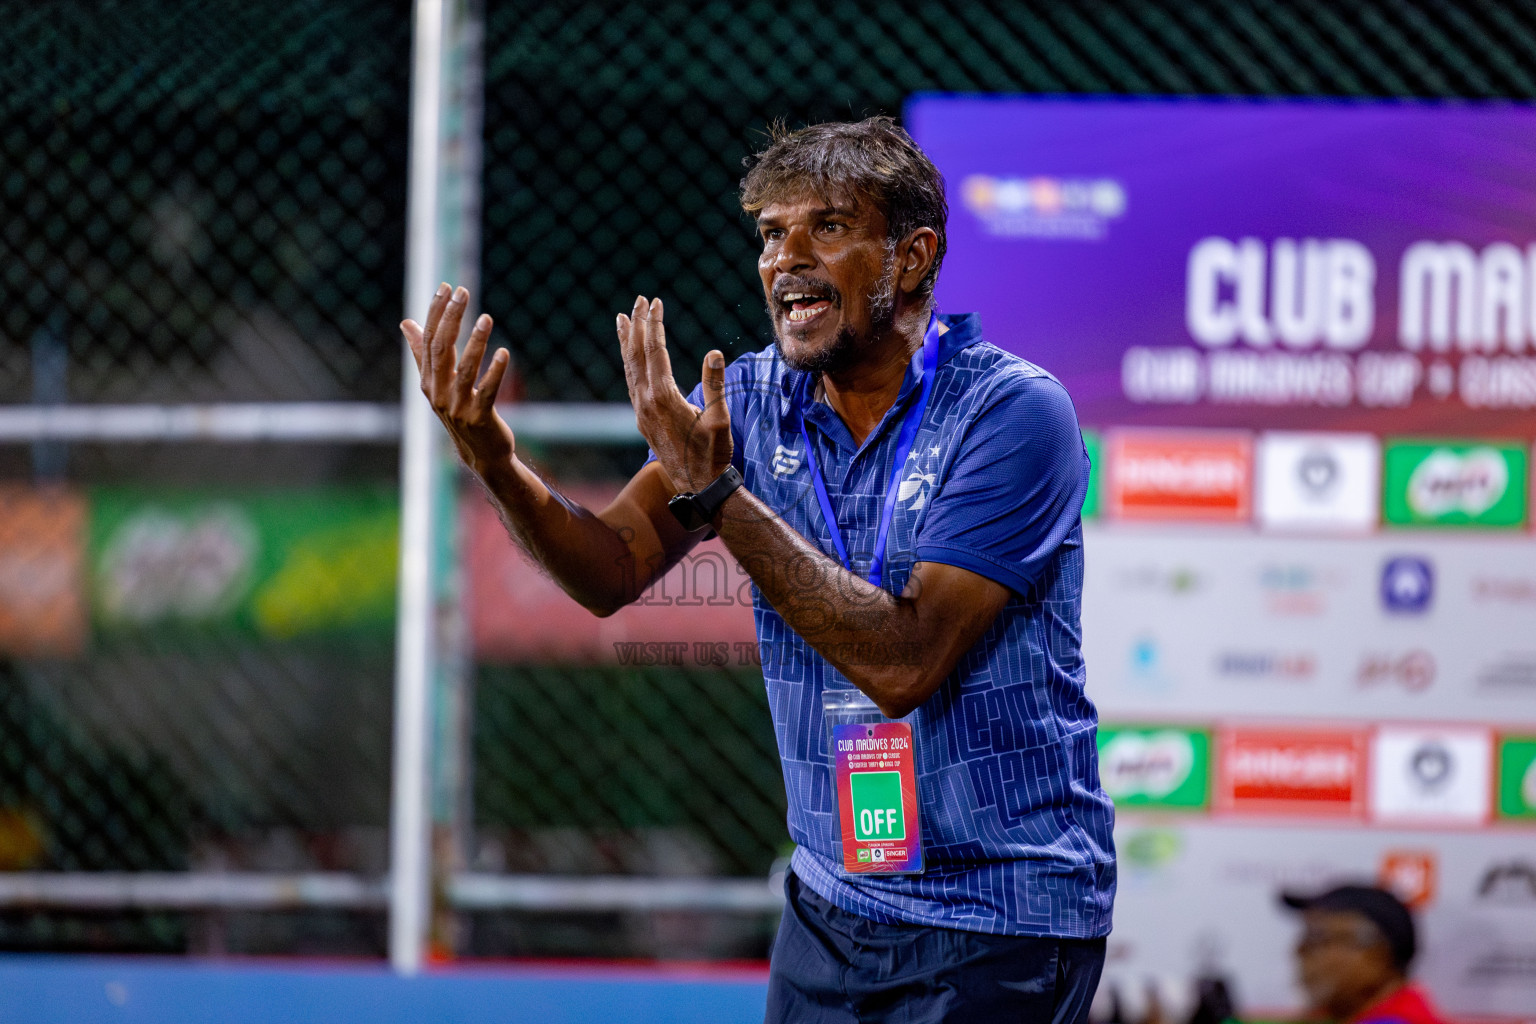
(278, 564)
(1160, 766)
(1461, 483)
(1517, 777)
(1094, 446)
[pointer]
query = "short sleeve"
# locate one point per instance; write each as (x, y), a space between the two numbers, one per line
(1015, 492)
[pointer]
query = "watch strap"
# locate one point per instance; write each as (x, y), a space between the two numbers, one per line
(696, 511)
(709, 500)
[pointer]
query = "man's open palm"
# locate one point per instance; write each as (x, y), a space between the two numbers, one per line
(467, 408)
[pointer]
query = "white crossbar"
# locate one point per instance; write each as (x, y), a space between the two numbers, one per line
(243, 421)
(311, 422)
(188, 890)
(472, 892)
(553, 892)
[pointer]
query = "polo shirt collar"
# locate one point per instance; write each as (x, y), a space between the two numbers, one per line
(964, 331)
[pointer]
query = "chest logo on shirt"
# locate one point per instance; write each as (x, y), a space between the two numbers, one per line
(917, 483)
(786, 461)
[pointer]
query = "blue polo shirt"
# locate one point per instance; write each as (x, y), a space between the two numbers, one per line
(1015, 827)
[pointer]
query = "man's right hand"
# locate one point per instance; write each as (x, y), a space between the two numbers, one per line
(604, 560)
(467, 409)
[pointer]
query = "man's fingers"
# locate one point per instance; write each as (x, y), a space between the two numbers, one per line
(714, 388)
(445, 345)
(434, 317)
(626, 330)
(658, 365)
(469, 362)
(490, 384)
(412, 331)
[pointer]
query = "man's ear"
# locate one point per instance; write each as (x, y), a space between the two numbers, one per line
(915, 255)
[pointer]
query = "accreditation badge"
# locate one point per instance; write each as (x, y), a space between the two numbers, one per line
(876, 766)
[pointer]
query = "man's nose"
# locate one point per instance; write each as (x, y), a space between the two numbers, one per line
(795, 254)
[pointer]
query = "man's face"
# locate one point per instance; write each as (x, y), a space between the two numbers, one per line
(1342, 961)
(828, 276)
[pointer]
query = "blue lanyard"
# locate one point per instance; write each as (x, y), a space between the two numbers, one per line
(909, 425)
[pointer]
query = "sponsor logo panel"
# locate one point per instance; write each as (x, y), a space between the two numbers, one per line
(1514, 591)
(1146, 666)
(1517, 777)
(1411, 671)
(1259, 666)
(1512, 674)
(1407, 585)
(1178, 475)
(1319, 481)
(1455, 484)
(1296, 589)
(42, 572)
(1094, 446)
(518, 615)
(1411, 874)
(1430, 775)
(1166, 767)
(1291, 771)
(1161, 580)
(1509, 882)
(280, 564)
(1148, 849)
(1044, 206)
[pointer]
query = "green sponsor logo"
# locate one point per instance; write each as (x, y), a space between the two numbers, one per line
(1517, 777)
(1455, 484)
(1094, 446)
(276, 564)
(1156, 766)
(877, 807)
(1150, 847)
(862, 856)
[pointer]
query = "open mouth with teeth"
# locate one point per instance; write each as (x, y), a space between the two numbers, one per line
(805, 306)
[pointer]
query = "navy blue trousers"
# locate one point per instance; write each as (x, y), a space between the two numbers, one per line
(832, 967)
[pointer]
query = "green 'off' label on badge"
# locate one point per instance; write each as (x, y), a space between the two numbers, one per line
(877, 807)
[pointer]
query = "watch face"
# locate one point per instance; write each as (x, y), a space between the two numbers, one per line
(685, 507)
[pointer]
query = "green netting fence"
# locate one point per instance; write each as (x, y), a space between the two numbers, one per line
(205, 202)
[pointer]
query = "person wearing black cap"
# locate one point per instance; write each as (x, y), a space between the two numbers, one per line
(1353, 956)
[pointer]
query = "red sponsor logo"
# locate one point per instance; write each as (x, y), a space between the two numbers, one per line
(42, 572)
(1173, 475)
(1413, 671)
(1410, 874)
(1274, 771)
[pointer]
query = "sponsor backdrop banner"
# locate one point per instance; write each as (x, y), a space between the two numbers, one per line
(279, 564)
(1245, 263)
(518, 614)
(1301, 338)
(42, 556)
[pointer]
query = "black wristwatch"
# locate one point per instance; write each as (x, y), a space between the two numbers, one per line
(696, 511)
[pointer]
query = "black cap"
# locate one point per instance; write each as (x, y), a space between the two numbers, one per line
(1378, 906)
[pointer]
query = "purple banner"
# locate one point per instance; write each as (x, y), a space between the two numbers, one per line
(1288, 265)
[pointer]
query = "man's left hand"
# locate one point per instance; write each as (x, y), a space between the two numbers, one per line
(693, 445)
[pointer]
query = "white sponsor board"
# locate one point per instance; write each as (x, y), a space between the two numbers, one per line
(1309, 481)
(1202, 623)
(1200, 896)
(1434, 776)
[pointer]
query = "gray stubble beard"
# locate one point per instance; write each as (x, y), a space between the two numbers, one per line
(882, 315)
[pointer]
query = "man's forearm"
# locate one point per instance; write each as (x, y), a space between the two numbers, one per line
(868, 634)
(587, 557)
